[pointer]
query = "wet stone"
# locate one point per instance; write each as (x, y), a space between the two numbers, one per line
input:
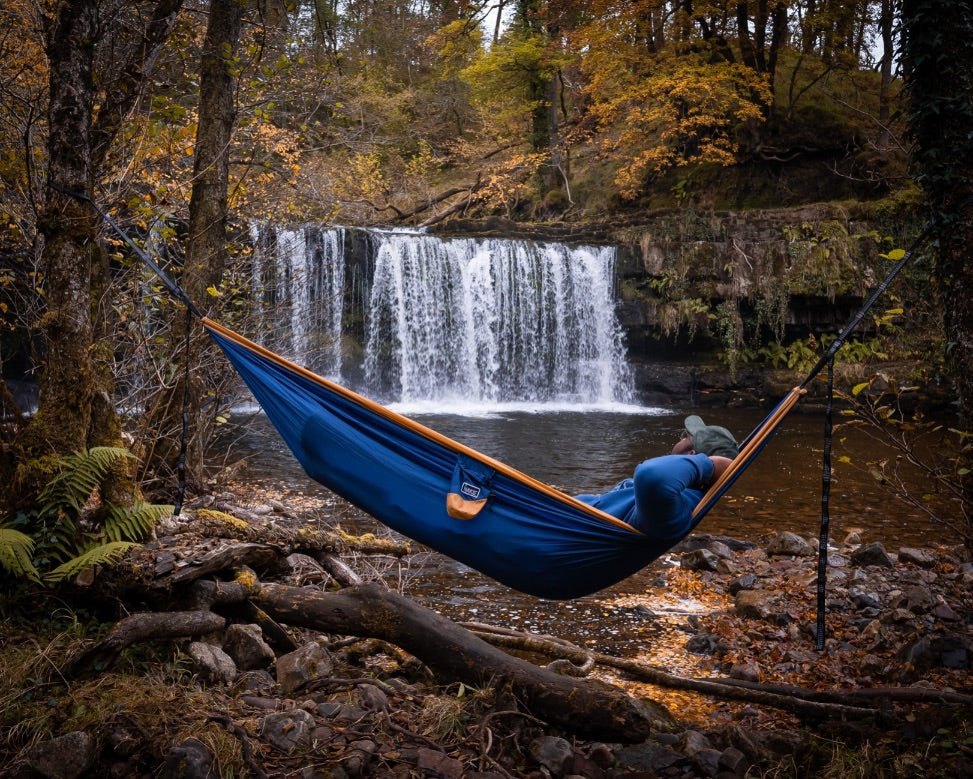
(919, 557)
(871, 554)
(287, 730)
(789, 544)
(191, 759)
(554, 753)
(65, 757)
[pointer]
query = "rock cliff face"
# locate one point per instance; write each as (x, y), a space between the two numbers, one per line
(697, 289)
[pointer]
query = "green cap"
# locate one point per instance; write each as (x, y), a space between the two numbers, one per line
(711, 439)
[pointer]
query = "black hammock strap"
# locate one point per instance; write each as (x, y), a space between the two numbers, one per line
(754, 443)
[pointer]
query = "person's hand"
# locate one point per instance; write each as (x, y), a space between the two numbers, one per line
(720, 464)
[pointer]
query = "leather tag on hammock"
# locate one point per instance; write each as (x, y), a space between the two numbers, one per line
(469, 488)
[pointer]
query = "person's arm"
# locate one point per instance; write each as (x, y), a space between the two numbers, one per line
(667, 490)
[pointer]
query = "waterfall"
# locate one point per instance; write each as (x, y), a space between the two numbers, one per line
(298, 284)
(412, 318)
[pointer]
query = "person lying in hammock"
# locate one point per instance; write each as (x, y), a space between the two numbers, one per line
(660, 497)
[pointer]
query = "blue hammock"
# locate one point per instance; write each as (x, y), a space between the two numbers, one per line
(440, 493)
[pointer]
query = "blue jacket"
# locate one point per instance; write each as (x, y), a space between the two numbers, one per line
(660, 498)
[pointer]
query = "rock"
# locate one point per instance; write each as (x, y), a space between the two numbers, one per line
(755, 604)
(439, 765)
(707, 761)
(358, 756)
(649, 756)
(601, 755)
(871, 554)
(747, 671)
(943, 611)
(873, 629)
(699, 560)
(65, 757)
(287, 730)
(746, 582)
(554, 753)
(297, 668)
(246, 645)
(373, 698)
(734, 761)
(212, 663)
(919, 600)
(191, 759)
(789, 544)
(720, 549)
(863, 599)
(259, 681)
(950, 651)
(918, 557)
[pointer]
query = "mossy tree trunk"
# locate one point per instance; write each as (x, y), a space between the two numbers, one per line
(90, 96)
(938, 60)
(69, 253)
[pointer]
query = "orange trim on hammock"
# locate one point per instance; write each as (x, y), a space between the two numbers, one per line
(415, 427)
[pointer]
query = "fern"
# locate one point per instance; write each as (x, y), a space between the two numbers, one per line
(104, 554)
(133, 523)
(83, 472)
(16, 551)
(69, 529)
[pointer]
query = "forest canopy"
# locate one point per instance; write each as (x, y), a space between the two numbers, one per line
(365, 111)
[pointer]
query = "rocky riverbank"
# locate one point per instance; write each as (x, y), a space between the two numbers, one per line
(743, 692)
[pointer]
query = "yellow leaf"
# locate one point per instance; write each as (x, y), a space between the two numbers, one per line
(213, 291)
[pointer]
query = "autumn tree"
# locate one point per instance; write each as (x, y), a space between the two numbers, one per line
(666, 88)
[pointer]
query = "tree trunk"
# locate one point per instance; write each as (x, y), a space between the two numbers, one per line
(886, 22)
(938, 60)
(206, 243)
(70, 250)
(456, 654)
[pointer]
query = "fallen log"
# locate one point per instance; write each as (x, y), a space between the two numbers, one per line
(592, 710)
(142, 627)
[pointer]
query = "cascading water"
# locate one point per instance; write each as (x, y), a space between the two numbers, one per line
(445, 320)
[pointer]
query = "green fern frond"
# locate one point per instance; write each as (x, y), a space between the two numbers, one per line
(16, 550)
(105, 554)
(135, 522)
(82, 473)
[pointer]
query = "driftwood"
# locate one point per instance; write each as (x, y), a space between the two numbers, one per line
(143, 627)
(851, 704)
(455, 654)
